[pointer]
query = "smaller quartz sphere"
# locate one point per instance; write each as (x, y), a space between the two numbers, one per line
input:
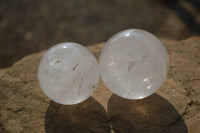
(68, 73)
(133, 64)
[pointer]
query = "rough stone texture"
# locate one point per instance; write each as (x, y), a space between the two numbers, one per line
(174, 108)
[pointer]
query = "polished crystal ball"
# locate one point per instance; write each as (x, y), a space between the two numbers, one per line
(133, 64)
(68, 73)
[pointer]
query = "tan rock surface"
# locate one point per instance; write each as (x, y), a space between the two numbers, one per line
(174, 108)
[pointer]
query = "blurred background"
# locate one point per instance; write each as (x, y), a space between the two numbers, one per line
(29, 26)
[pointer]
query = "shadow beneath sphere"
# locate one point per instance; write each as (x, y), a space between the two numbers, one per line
(86, 117)
(153, 114)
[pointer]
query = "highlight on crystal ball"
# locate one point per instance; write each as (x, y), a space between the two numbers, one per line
(68, 73)
(133, 64)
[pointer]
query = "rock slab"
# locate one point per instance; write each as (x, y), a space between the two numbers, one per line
(174, 108)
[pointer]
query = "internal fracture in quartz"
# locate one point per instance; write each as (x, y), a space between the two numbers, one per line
(68, 73)
(133, 64)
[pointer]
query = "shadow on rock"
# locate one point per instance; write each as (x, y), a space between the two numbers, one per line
(153, 114)
(86, 117)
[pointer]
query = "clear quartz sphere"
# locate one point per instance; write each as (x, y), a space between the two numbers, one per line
(68, 73)
(133, 64)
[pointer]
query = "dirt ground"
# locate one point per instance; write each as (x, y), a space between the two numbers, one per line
(28, 26)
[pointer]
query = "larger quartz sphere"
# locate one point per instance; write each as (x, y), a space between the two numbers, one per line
(68, 73)
(133, 64)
